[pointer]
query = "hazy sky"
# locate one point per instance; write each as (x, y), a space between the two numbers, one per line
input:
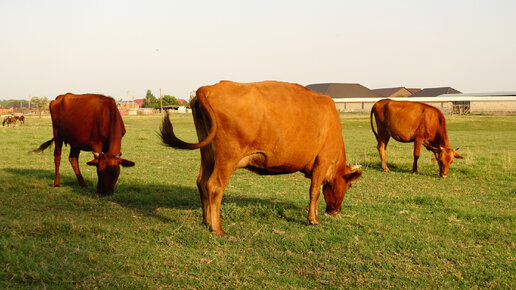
(122, 48)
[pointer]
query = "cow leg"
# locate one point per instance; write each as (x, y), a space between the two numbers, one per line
(417, 151)
(215, 186)
(74, 160)
(315, 190)
(202, 180)
(382, 146)
(57, 161)
(206, 170)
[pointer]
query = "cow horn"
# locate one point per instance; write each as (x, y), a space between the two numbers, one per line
(96, 155)
(457, 148)
(355, 167)
(119, 154)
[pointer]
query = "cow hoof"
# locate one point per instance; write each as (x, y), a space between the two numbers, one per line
(313, 223)
(219, 233)
(386, 170)
(414, 172)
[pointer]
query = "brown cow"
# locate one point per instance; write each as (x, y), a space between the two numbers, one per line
(90, 123)
(268, 128)
(407, 121)
(21, 119)
(9, 120)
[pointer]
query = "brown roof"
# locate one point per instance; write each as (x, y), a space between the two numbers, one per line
(434, 92)
(413, 90)
(393, 92)
(339, 90)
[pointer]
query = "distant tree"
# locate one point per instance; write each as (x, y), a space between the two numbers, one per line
(169, 100)
(150, 100)
(39, 103)
(401, 96)
(13, 103)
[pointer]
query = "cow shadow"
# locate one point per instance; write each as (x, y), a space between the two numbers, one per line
(377, 166)
(147, 199)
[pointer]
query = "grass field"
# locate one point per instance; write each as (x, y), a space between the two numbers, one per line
(396, 229)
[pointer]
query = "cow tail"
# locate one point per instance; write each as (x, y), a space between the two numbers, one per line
(170, 139)
(373, 109)
(43, 146)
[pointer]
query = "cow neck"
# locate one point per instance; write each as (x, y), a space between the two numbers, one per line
(443, 136)
(115, 133)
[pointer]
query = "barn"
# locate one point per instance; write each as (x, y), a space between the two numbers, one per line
(357, 98)
(490, 103)
(396, 92)
(344, 91)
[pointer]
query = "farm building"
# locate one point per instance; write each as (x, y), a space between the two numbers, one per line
(342, 90)
(486, 103)
(396, 92)
(434, 92)
(128, 107)
(139, 102)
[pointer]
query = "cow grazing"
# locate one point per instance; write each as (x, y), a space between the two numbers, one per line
(8, 120)
(21, 119)
(407, 121)
(268, 128)
(90, 123)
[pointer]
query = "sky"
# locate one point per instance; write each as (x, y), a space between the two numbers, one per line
(124, 48)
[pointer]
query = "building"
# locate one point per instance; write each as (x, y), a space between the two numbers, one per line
(128, 108)
(139, 102)
(486, 103)
(395, 92)
(343, 90)
(434, 92)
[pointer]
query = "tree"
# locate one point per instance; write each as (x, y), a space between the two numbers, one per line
(169, 100)
(39, 103)
(150, 100)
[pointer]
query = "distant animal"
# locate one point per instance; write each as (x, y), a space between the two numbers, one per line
(268, 128)
(90, 123)
(8, 120)
(407, 121)
(21, 119)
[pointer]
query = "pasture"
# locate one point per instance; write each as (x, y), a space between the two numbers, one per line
(396, 229)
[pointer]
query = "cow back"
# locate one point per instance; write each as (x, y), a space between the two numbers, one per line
(83, 119)
(286, 122)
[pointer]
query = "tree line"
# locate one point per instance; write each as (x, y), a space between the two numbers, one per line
(151, 101)
(40, 103)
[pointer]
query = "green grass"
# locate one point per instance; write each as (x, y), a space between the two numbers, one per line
(396, 229)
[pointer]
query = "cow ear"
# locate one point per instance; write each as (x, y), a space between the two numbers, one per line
(457, 155)
(125, 162)
(93, 162)
(352, 176)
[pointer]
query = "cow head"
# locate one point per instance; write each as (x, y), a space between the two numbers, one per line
(108, 170)
(444, 157)
(334, 191)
